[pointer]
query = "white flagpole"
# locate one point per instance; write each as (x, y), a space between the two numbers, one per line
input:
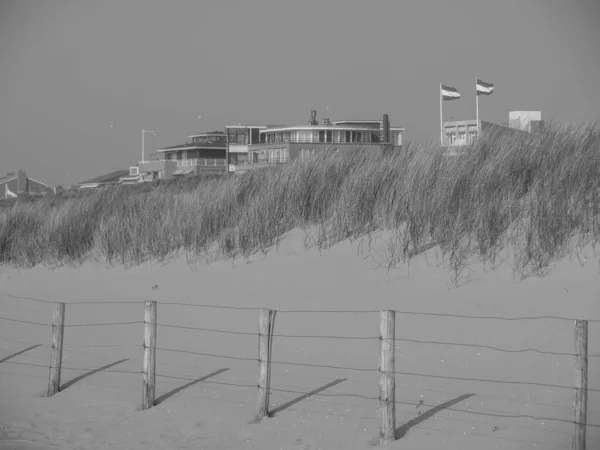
(477, 107)
(441, 119)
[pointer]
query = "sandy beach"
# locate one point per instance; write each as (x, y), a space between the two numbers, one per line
(449, 396)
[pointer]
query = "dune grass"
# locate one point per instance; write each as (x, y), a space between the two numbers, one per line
(535, 194)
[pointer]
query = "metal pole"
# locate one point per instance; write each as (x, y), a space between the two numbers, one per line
(441, 119)
(143, 132)
(226, 151)
(477, 107)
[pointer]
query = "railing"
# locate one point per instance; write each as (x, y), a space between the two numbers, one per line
(317, 140)
(186, 163)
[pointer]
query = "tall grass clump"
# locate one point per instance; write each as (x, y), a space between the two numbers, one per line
(535, 194)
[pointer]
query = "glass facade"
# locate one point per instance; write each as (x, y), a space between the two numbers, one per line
(322, 136)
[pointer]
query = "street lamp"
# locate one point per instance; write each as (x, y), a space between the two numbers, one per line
(144, 134)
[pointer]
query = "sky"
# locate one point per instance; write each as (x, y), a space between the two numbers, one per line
(80, 79)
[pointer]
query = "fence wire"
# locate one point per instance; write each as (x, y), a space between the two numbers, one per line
(304, 311)
(324, 394)
(321, 366)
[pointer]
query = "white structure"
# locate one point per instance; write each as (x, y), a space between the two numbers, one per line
(530, 121)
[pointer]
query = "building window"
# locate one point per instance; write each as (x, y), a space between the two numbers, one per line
(307, 153)
(283, 155)
(348, 137)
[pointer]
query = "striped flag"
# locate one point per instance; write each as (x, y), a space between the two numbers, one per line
(484, 88)
(449, 93)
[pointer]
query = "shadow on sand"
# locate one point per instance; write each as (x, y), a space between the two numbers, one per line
(163, 397)
(19, 353)
(305, 396)
(87, 374)
(401, 432)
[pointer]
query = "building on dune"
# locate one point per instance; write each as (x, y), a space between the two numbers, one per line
(276, 144)
(252, 146)
(15, 183)
(466, 132)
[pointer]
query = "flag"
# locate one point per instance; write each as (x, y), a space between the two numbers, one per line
(449, 93)
(484, 88)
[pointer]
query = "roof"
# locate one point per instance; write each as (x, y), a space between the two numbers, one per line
(210, 133)
(357, 121)
(38, 182)
(246, 126)
(7, 178)
(325, 127)
(112, 177)
(198, 146)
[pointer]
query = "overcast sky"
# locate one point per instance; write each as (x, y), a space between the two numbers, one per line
(69, 69)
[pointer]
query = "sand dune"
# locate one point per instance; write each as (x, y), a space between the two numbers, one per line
(100, 409)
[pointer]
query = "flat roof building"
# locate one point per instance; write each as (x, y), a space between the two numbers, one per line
(284, 143)
(466, 132)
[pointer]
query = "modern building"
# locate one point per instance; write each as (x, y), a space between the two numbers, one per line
(13, 184)
(240, 138)
(530, 121)
(282, 144)
(206, 151)
(465, 132)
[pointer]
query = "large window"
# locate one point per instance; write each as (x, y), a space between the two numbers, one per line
(278, 155)
(255, 135)
(307, 153)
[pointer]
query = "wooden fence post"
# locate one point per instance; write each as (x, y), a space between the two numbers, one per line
(266, 324)
(149, 364)
(581, 383)
(387, 377)
(56, 351)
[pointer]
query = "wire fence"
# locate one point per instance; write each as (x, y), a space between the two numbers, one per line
(76, 349)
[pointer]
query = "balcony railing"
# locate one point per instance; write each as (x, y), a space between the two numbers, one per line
(208, 162)
(317, 140)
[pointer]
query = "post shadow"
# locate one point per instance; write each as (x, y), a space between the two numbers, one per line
(19, 353)
(87, 374)
(163, 397)
(401, 431)
(305, 396)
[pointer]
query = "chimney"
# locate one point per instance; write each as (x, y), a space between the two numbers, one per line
(386, 129)
(313, 118)
(21, 182)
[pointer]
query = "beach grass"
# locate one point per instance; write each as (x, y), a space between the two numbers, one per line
(537, 194)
